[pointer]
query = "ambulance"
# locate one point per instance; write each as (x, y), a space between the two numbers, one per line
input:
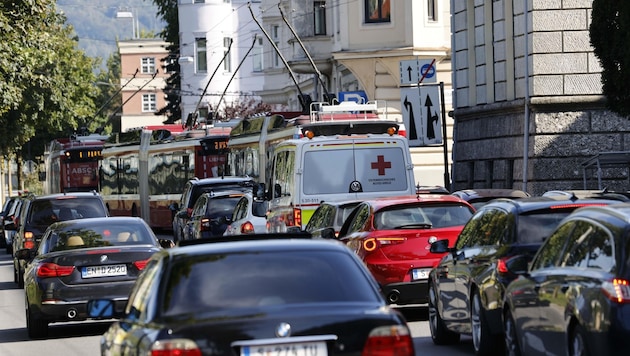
(314, 168)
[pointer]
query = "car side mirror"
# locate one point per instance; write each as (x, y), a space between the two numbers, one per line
(25, 254)
(328, 233)
(166, 243)
(183, 215)
(439, 246)
(173, 207)
(518, 265)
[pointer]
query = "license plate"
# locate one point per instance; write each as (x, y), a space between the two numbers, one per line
(420, 273)
(104, 271)
(293, 349)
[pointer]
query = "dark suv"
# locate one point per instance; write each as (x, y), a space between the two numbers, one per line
(38, 212)
(466, 288)
(194, 188)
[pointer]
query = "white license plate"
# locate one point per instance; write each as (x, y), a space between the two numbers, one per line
(420, 273)
(104, 271)
(294, 349)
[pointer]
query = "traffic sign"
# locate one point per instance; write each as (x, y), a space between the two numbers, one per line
(409, 72)
(418, 71)
(422, 115)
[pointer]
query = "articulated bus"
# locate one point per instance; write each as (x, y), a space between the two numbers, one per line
(338, 152)
(171, 163)
(71, 164)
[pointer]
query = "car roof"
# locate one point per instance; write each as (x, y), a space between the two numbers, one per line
(224, 179)
(65, 195)
(618, 210)
(470, 194)
(523, 205)
(256, 242)
(110, 220)
(379, 203)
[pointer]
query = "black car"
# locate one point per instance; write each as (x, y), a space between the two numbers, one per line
(466, 288)
(327, 219)
(39, 212)
(80, 260)
(480, 197)
(575, 297)
(193, 190)
(7, 222)
(211, 214)
(262, 295)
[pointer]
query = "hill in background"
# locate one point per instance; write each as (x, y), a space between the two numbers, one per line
(98, 28)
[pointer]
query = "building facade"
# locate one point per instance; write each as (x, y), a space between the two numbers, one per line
(142, 81)
(220, 54)
(528, 104)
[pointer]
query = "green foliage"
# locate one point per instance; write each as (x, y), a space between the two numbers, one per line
(610, 36)
(167, 10)
(48, 82)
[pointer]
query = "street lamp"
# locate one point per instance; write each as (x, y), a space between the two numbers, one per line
(128, 14)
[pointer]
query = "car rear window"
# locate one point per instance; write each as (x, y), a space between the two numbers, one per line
(259, 208)
(437, 216)
(261, 278)
(198, 190)
(47, 211)
(534, 228)
(221, 206)
(98, 237)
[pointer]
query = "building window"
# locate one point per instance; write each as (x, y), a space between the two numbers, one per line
(147, 65)
(149, 103)
(377, 11)
(201, 55)
(275, 36)
(432, 10)
(257, 55)
(227, 63)
(319, 12)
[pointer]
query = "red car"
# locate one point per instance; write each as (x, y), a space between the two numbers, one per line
(393, 236)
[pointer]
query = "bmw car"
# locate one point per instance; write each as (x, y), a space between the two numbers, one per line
(255, 295)
(79, 260)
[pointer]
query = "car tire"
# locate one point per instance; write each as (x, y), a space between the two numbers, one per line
(20, 277)
(37, 328)
(484, 342)
(512, 347)
(439, 333)
(577, 346)
(15, 274)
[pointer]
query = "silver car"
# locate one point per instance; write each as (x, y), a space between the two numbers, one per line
(249, 217)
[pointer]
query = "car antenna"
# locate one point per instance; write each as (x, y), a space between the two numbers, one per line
(302, 98)
(327, 97)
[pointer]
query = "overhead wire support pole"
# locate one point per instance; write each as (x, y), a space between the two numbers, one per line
(275, 48)
(212, 76)
(236, 70)
(308, 55)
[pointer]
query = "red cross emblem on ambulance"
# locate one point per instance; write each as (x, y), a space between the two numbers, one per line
(381, 165)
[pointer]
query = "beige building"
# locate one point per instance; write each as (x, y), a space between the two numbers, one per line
(358, 46)
(528, 109)
(142, 81)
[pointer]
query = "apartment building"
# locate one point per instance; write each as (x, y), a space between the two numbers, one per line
(142, 81)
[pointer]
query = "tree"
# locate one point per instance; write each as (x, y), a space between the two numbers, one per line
(167, 10)
(47, 84)
(610, 35)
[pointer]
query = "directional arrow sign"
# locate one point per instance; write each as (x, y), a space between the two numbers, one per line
(412, 115)
(431, 114)
(409, 72)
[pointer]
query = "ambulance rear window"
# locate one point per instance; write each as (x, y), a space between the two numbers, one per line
(377, 169)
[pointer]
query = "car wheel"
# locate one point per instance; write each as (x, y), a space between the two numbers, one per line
(578, 342)
(20, 277)
(37, 328)
(439, 333)
(511, 341)
(484, 343)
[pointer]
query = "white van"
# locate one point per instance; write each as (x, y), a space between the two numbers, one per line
(307, 171)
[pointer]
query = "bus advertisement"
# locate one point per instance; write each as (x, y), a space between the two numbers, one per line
(172, 162)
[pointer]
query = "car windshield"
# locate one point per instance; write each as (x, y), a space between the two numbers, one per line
(427, 216)
(95, 237)
(247, 280)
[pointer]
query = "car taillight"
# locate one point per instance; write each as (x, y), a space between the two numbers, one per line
(297, 217)
(373, 243)
(617, 290)
(47, 270)
(175, 347)
(204, 224)
(392, 340)
(141, 264)
(502, 267)
(247, 228)
(28, 240)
